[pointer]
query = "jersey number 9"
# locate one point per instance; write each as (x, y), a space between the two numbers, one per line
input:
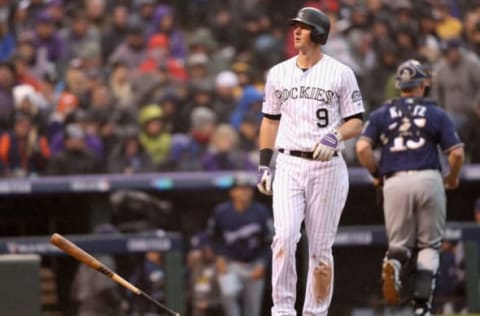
(322, 118)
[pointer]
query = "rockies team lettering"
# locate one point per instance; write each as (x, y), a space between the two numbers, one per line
(302, 92)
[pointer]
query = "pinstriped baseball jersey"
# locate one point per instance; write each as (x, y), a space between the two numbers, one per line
(311, 102)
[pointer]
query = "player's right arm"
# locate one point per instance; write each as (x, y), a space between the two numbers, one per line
(268, 133)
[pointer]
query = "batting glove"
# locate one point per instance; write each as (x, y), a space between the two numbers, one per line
(326, 148)
(264, 180)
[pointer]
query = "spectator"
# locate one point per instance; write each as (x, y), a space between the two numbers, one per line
(223, 152)
(84, 120)
(429, 45)
(470, 134)
(25, 75)
(164, 23)
(188, 149)
(7, 81)
(115, 34)
(248, 135)
(377, 77)
(448, 26)
(197, 68)
(201, 96)
(129, 156)
(205, 293)
(56, 8)
(153, 136)
(49, 46)
(159, 57)
(97, 296)
(131, 51)
(456, 95)
(144, 13)
(23, 151)
(96, 13)
(79, 36)
(31, 103)
(75, 158)
(120, 85)
(170, 104)
(7, 39)
(224, 104)
(249, 102)
(241, 229)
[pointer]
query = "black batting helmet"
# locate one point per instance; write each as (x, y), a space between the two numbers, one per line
(317, 20)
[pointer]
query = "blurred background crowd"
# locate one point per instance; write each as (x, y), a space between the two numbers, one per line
(103, 86)
(131, 86)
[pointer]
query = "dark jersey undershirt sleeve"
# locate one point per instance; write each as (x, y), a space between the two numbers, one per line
(358, 116)
(275, 117)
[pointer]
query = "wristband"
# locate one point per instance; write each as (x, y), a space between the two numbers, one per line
(265, 156)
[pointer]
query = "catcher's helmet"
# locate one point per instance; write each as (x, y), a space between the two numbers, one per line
(317, 20)
(410, 74)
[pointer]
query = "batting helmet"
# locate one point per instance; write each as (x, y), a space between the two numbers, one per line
(410, 74)
(317, 20)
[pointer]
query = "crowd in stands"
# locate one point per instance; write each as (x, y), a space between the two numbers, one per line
(128, 86)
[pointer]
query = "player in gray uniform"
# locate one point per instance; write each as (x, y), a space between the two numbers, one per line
(312, 103)
(408, 130)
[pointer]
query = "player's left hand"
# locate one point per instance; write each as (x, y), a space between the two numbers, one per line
(264, 180)
(326, 148)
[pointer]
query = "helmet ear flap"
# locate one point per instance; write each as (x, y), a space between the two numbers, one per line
(316, 36)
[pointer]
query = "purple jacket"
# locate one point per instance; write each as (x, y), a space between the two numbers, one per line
(178, 47)
(93, 143)
(55, 47)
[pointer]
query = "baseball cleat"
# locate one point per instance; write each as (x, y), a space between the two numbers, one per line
(391, 281)
(422, 310)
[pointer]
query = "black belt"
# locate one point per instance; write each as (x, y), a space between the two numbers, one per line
(301, 154)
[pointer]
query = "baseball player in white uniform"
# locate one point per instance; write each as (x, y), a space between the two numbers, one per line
(312, 103)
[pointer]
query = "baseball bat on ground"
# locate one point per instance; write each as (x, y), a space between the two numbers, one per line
(82, 256)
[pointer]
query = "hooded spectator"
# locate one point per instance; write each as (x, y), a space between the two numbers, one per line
(153, 136)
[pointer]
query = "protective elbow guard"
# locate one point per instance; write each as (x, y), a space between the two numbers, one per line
(423, 285)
